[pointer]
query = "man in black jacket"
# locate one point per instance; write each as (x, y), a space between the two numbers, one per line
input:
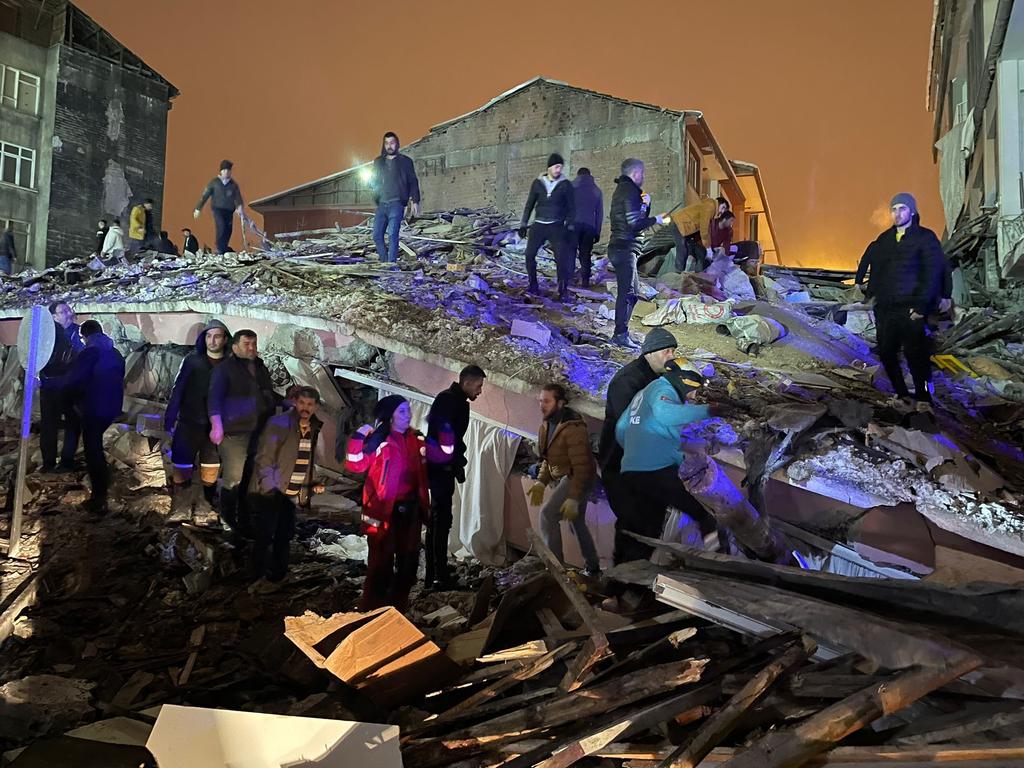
(589, 217)
(629, 216)
(191, 243)
(57, 404)
(551, 194)
(394, 183)
(450, 410)
(240, 401)
(658, 349)
(101, 236)
(906, 282)
(227, 201)
(95, 382)
(188, 421)
(8, 251)
(283, 475)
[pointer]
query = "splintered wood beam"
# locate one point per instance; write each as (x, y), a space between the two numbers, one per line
(596, 646)
(722, 722)
(818, 733)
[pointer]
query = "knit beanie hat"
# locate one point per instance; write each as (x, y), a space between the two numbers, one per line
(555, 159)
(904, 198)
(656, 340)
(386, 408)
(226, 165)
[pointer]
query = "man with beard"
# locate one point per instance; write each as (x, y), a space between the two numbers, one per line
(448, 412)
(188, 421)
(240, 401)
(283, 475)
(394, 184)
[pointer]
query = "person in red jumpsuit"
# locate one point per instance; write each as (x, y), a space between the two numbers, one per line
(396, 497)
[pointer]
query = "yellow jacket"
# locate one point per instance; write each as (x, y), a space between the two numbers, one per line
(137, 223)
(695, 218)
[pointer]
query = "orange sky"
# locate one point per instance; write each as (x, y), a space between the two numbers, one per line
(827, 97)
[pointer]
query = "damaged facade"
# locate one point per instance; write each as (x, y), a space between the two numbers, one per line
(975, 85)
(488, 158)
(83, 126)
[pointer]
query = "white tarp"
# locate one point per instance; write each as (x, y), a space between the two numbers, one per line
(192, 737)
(952, 182)
(478, 508)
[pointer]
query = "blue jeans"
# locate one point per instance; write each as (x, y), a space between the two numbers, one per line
(388, 218)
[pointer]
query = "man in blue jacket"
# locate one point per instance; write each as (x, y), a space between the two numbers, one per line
(56, 405)
(95, 383)
(394, 184)
(650, 435)
(589, 217)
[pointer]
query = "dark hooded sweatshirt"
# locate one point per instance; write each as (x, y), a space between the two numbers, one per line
(553, 202)
(188, 398)
(95, 380)
(623, 387)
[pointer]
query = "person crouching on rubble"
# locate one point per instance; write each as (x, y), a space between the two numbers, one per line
(649, 432)
(283, 474)
(396, 497)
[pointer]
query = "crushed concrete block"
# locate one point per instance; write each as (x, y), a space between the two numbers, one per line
(527, 329)
(39, 704)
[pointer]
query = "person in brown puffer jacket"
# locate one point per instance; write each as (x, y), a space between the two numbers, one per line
(567, 461)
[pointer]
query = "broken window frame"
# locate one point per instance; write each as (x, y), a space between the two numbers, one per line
(12, 96)
(19, 156)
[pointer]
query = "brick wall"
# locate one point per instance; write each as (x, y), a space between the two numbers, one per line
(110, 136)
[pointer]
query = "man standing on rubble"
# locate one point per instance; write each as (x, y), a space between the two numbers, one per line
(552, 195)
(448, 413)
(283, 475)
(8, 251)
(650, 435)
(226, 202)
(141, 232)
(113, 243)
(188, 421)
(567, 462)
(95, 383)
(901, 267)
(57, 404)
(589, 216)
(240, 401)
(629, 216)
(394, 184)
(658, 349)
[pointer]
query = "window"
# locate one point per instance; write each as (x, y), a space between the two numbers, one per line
(693, 170)
(17, 165)
(19, 90)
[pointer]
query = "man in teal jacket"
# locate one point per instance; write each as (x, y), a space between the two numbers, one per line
(649, 432)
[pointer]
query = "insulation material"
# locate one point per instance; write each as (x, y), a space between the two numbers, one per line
(951, 173)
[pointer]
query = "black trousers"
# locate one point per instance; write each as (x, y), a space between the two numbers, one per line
(584, 241)
(442, 489)
(565, 256)
(896, 332)
(95, 458)
(274, 527)
(223, 218)
(55, 405)
(625, 547)
(623, 258)
(647, 497)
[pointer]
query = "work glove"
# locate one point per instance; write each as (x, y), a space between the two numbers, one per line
(570, 510)
(522, 232)
(536, 494)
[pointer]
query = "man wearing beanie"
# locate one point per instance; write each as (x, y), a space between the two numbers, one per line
(902, 266)
(553, 201)
(227, 201)
(658, 349)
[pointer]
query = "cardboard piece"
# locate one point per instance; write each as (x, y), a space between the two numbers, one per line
(192, 737)
(380, 652)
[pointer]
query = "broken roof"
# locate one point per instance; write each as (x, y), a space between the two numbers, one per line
(496, 100)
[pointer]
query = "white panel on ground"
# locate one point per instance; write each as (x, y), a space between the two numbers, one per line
(191, 737)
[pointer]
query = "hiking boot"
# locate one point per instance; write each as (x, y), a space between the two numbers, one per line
(624, 340)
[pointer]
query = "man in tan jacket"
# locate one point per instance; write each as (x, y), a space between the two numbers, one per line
(567, 462)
